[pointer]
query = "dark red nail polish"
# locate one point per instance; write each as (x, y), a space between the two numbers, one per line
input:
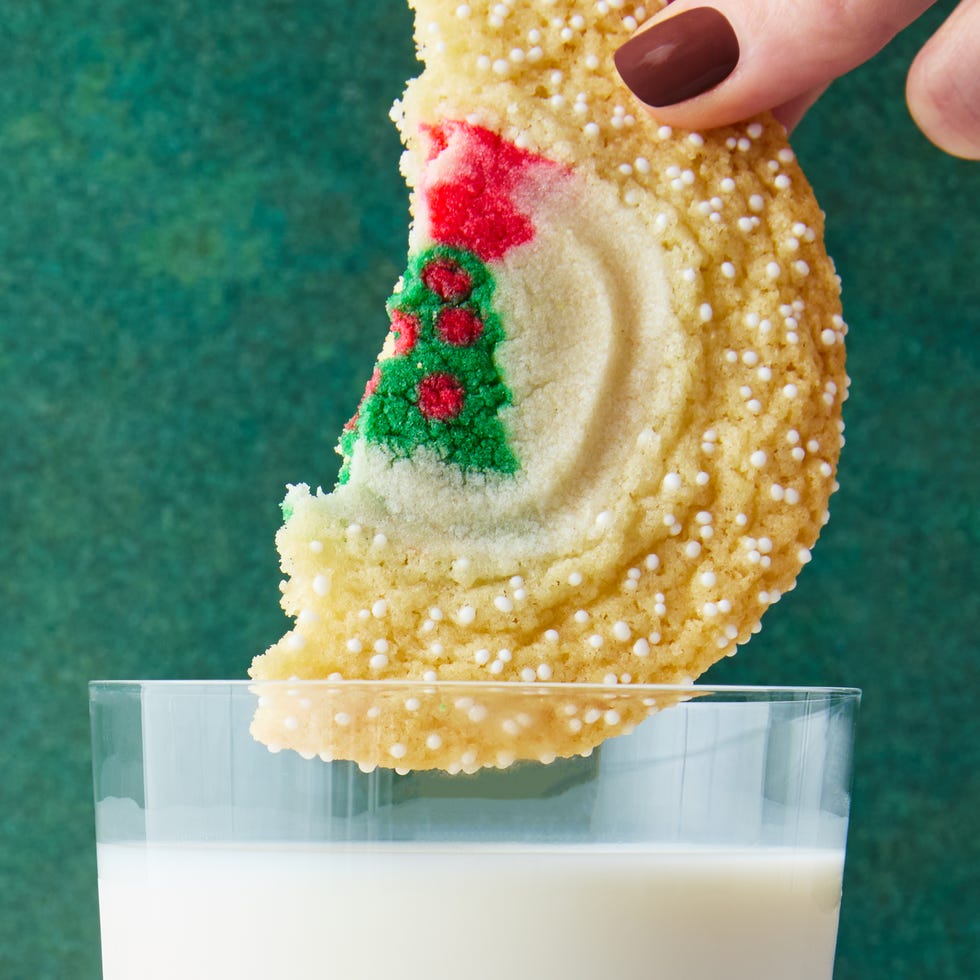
(679, 58)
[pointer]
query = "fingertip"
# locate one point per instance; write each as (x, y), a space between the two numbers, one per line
(777, 60)
(943, 86)
(676, 58)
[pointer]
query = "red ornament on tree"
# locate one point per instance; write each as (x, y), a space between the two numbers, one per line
(459, 326)
(406, 329)
(448, 280)
(440, 396)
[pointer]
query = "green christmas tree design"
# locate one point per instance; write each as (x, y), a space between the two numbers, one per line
(441, 388)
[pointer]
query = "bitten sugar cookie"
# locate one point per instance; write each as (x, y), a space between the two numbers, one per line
(601, 436)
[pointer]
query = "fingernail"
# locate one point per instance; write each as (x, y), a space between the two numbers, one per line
(679, 57)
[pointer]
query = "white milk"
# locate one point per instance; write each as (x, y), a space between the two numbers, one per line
(426, 912)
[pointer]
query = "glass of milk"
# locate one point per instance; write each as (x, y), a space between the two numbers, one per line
(707, 842)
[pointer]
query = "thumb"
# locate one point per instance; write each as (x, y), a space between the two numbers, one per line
(697, 65)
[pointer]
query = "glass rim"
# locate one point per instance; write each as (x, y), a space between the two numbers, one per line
(752, 691)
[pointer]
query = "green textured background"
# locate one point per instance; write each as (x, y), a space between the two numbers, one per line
(200, 219)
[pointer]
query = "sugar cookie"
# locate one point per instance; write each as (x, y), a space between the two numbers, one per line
(601, 436)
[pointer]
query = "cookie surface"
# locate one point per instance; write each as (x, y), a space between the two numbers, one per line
(603, 431)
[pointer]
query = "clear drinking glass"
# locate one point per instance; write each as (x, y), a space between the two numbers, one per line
(707, 842)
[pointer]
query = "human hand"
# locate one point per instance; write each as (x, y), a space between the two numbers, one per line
(697, 65)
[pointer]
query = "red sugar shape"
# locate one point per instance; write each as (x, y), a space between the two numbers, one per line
(459, 326)
(447, 280)
(406, 329)
(470, 192)
(440, 396)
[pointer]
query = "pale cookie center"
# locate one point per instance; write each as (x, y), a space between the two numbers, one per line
(593, 355)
